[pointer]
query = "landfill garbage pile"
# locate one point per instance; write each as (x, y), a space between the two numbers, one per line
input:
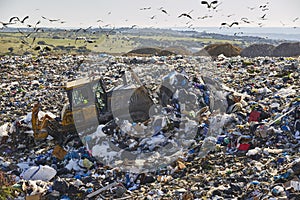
(150, 51)
(179, 50)
(281, 50)
(246, 113)
(287, 49)
(256, 50)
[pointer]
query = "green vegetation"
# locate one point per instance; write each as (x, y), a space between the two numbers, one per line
(191, 39)
(60, 42)
(14, 43)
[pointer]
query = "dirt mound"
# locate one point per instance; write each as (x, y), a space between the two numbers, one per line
(180, 50)
(149, 51)
(217, 49)
(287, 49)
(258, 50)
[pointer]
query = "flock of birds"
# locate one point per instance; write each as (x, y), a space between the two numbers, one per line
(107, 30)
(213, 5)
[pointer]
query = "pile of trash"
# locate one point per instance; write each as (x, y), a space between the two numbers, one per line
(256, 50)
(222, 129)
(287, 49)
(149, 51)
(282, 50)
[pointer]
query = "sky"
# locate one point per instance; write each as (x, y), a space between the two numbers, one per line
(149, 13)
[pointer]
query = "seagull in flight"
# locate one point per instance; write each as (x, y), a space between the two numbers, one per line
(185, 15)
(146, 8)
(50, 20)
(229, 25)
(209, 5)
(163, 10)
(263, 17)
(4, 24)
(295, 19)
(246, 20)
(17, 19)
(206, 16)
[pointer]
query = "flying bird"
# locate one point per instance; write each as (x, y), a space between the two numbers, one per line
(30, 26)
(260, 24)
(163, 10)
(185, 15)
(204, 17)
(263, 6)
(229, 25)
(295, 19)
(133, 26)
(107, 33)
(11, 19)
(25, 35)
(33, 40)
(24, 42)
(209, 5)
(263, 17)
(251, 8)
(230, 15)
(4, 24)
(146, 8)
(245, 19)
(23, 20)
(50, 20)
(235, 34)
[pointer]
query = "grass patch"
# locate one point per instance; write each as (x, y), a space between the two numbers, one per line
(64, 42)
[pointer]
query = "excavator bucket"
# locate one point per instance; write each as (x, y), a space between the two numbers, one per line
(39, 127)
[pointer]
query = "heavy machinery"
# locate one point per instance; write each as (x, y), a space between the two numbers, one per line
(91, 104)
